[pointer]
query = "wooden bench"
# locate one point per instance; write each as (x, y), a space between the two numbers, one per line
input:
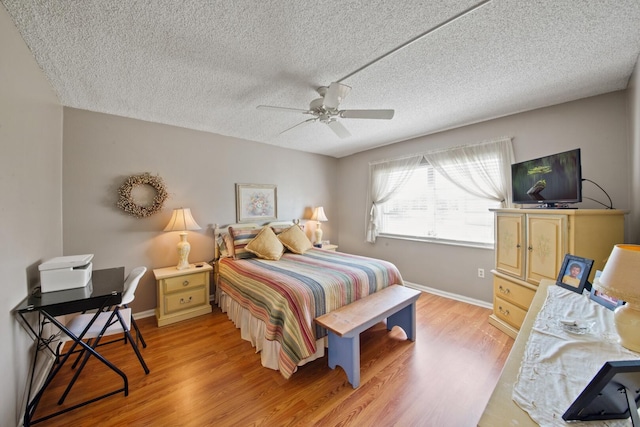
(395, 303)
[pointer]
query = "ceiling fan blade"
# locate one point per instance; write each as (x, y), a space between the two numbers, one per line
(306, 122)
(274, 108)
(367, 114)
(339, 129)
(336, 92)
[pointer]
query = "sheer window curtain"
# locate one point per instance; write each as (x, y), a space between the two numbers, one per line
(385, 178)
(473, 168)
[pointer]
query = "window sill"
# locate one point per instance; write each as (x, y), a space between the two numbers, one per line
(475, 245)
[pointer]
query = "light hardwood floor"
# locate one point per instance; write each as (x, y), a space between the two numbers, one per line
(203, 374)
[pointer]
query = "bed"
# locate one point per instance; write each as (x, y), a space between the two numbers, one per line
(274, 301)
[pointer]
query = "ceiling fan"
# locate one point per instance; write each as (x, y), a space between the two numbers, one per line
(326, 110)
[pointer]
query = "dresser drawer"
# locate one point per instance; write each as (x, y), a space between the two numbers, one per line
(187, 300)
(508, 312)
(513, 292)
(187, 281)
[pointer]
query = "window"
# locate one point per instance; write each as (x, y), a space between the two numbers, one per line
(442, 195)
(429, 206)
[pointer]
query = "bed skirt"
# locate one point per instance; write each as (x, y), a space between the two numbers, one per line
(252, 329)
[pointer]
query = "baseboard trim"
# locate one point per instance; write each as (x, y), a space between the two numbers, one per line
(146, 313)
(449, 295)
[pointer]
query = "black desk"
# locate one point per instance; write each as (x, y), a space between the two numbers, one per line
(104, 290)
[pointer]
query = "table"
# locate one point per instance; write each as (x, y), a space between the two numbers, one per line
(104, 290)
(547, 367)
(501, 409)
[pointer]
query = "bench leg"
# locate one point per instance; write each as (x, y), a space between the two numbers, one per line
(345, 352)
(406, 319)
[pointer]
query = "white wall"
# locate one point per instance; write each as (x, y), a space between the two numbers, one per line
(597, 125)
(200, 171)
(31, 208)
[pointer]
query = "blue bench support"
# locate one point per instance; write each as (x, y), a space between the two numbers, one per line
(406, 319)
(345, 352)
(396, 304)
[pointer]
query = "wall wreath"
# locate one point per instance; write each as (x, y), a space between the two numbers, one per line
(127, 203)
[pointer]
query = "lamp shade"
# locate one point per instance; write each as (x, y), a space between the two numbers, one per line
(182, 220)
(318, 215)
(620, 277)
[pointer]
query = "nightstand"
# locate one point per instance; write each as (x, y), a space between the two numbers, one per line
(182, 294)
(330, 247)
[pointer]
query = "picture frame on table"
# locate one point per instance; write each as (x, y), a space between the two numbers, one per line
(601, 298)
(256, 202)
(574, 273)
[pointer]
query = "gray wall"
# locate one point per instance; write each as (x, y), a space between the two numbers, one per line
(597, 125)
(634, 157)
(31, 209)
(200, 171)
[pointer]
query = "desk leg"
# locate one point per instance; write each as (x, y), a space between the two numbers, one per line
(32, 405)
(95, 343)
(86, 358)
(39, 341)
(91, 351)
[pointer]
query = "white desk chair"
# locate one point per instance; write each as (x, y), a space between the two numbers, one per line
(112, 322)
(130, 286)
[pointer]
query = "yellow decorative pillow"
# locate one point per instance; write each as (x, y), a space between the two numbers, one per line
(266, 245)
(295, 240)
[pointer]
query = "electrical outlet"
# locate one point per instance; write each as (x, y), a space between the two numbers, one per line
(481, 273)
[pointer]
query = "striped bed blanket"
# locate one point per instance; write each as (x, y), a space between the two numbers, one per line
(289, 293)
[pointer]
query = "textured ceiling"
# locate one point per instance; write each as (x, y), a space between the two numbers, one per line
(207, 65)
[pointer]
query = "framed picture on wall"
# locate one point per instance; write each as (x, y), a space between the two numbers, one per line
(574, 273)
(256, 202)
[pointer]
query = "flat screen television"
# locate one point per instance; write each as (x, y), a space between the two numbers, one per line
(612, 394)
(549, 181)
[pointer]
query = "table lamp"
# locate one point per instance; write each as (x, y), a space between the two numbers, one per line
(319, 216)
(181, 220)
(620, 279)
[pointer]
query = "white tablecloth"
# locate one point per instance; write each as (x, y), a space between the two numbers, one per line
(558, 364)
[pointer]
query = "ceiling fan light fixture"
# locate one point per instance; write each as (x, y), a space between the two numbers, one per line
(334, 94)
(317, 105)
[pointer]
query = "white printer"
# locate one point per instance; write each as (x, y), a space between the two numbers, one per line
(65, 272)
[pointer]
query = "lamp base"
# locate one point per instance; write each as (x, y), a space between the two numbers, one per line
(627, 321)
(183, 252)
(318, 234)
